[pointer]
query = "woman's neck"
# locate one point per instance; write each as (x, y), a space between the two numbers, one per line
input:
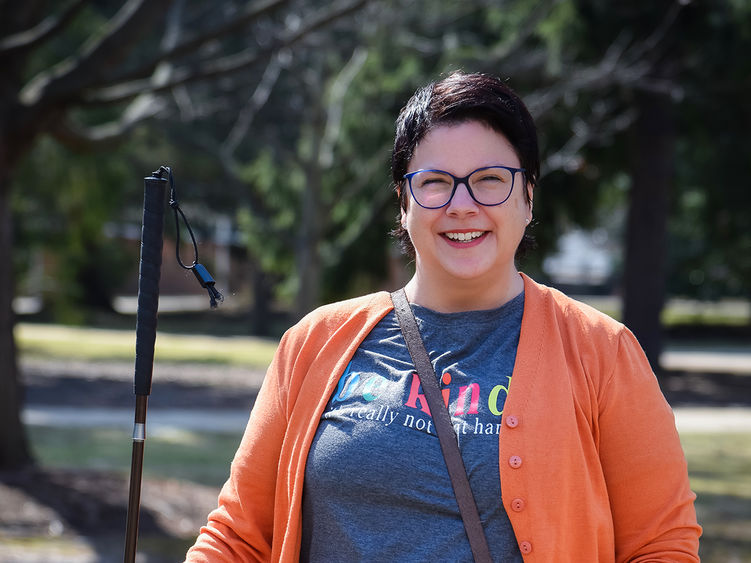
(452, 296)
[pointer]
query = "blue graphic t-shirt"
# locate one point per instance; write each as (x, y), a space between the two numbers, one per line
(376, 485)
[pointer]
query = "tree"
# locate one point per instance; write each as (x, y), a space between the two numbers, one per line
(576, 87)
(710, 244)
(316, 123)
(122, 74)
(288, 217)
(684, 47)
(608, 86)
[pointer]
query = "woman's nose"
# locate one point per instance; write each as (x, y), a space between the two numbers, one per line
(462, 202)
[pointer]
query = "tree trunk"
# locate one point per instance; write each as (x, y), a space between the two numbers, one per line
(652, 169)
(307, 247)
(307, 252)
(14, 450)
(263, 293)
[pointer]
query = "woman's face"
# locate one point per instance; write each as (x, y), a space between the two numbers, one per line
(465, 241)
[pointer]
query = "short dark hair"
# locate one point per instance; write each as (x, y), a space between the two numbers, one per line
(456, 99)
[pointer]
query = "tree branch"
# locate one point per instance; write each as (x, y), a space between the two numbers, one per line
(258, 207)
(191, 45)
(650, 45)
(612, 69)
(79, 138)
(336, 100)
(255, 103)
(522, 32)
(601, 127)
(624, 63)
(225, 65)
(30, 38)
(332, 251)
(145, 106)
(70, 77)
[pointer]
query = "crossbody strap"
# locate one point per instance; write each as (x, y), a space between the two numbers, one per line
(443, 427)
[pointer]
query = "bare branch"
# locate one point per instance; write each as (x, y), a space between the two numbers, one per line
(600, 127)
(336, 100)
(522, 32)
(624, 63)
(184, 103)
(80, 138)
(255, 103)
(189, 46)
(30, 38)
(331, 252)
(657, 37)
(227, 65)
(180, 94)
(612, 69)
(258, 207)
(75, 74)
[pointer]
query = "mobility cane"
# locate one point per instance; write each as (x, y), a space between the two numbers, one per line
(146, 321)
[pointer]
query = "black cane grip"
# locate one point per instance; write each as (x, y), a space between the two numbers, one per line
(152, 234)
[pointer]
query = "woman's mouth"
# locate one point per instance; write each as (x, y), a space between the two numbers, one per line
(464, 237)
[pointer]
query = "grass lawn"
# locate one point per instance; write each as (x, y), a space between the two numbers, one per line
(66, 343)
(719, 463)
(719, 467)
(202, 458)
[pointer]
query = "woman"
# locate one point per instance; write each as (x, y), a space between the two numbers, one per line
(570, 448)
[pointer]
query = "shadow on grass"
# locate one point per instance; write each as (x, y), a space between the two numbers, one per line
(85, 503)
(683, 388)
(88, 392)
(726, 520)
(81, 514)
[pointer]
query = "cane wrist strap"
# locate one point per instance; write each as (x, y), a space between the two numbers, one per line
(443, 427)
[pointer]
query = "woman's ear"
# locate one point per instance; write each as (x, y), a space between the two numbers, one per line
(403, 218)
(531, 194)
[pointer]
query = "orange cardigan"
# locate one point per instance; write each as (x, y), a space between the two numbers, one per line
(591, 467)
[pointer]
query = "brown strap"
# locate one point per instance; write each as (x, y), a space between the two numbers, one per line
(443, 427)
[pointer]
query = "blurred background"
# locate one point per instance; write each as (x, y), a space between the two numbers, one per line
(276, 117)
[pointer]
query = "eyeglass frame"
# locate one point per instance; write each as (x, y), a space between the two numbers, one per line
(463, 180)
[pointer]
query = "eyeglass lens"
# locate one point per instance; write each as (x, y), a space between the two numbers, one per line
(489, 186)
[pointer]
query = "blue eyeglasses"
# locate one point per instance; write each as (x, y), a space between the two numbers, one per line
(489, 186)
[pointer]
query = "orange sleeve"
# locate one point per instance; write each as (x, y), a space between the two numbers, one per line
(259, 514)
(241, 528)
(644, 465)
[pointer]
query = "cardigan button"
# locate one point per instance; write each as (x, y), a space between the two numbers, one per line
(525, 547)
(512, 421)
(515, 461)
(517, 505)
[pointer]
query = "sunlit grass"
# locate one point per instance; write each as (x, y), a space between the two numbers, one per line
(720, 470)
(719, 464)
(64, 342)
(728, 312)
(199, 457)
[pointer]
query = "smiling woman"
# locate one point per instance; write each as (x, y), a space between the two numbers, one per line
(570, 449)
(464, 240)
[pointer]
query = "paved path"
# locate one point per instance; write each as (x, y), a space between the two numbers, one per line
(734, 360)
(691, 420)
(241, 380)
(157, 420)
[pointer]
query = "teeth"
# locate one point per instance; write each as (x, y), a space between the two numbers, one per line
(464, 237)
